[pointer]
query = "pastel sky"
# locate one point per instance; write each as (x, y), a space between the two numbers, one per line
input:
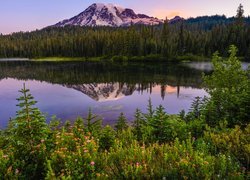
(27, 15)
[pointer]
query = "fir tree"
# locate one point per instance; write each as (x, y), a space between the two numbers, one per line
(121, 123)
(240, 15)
(28, 132)
(159, 123)
(93, 124)
(138, 124)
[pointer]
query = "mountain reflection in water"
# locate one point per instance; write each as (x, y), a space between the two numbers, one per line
(69, 89)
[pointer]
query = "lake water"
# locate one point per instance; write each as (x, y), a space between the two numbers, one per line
(69, 89)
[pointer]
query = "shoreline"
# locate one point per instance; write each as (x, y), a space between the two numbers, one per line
(149, 58)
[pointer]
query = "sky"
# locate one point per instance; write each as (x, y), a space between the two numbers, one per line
(28, 15)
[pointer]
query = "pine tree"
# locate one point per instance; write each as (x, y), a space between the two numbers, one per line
(181, 48)
(150, 109)
(195, 109)
(158, 123)
(29, 133)
(138, 124)
(240, 15)
(121, 123)
(165, 38)
(93, 124)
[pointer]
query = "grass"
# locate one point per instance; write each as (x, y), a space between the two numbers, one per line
(55, 59)
(191, 57)
(117, 58)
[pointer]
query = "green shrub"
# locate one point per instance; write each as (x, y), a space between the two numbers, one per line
(172, 161)
(74, 156)
(107, 138)
(229, 90)
(235, 142)
(119, 58)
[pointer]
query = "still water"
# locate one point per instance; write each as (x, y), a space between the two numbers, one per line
(69, 89)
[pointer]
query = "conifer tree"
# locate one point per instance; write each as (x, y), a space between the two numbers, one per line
(138, 124)
(121, 123)
(93, 124)
(159, 123)
(107, 138)
(240, 15)
(29, 133)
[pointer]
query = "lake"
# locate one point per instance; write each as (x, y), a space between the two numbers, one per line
(69, 89)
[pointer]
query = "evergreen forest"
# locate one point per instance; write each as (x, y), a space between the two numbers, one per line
(194, 38)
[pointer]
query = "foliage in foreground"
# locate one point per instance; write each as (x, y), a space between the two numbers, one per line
(157, 145)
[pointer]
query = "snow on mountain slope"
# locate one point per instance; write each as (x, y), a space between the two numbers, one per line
(104, 91)
(99, 14)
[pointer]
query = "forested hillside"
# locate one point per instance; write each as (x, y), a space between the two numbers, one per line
(199, 36)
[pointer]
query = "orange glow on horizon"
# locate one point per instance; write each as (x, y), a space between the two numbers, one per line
(171, 89)
(163, 13)
(168, 89)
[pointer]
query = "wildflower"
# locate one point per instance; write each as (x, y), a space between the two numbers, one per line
(92, 163)
(5, 156)
(42, 140)
(85, 150)
(88, 141)
(243, 168)
(137, 164)
(206, 163)
(17, 171)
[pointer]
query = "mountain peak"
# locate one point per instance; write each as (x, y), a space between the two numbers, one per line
(176, 19)
(100, 14)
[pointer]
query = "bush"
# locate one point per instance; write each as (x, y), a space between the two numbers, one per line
(107, 138)
(74, 155)
(229, 90)
(235, 142)
(174, 161)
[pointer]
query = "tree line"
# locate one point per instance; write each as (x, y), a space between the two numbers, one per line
(200, 36)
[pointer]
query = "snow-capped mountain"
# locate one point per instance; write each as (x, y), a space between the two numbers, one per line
(105, 91)
(99, 14)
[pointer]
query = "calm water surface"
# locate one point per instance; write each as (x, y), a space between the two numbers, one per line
(69, 89)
